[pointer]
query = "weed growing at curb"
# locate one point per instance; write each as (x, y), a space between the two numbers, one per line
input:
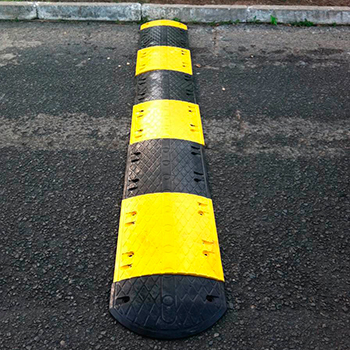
(255, 21)
(273, 20)
(143, 20)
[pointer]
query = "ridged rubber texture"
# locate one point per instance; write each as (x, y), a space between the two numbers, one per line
(164, 36)
(164, 85)
(166, 119)
(163, 57)
(165, 165)
(163, 22)
(169, 232)
(167, 306)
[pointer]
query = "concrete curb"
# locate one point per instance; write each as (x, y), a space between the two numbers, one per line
(131, 12)
(124, 12)
(17, 10)
(241, 13)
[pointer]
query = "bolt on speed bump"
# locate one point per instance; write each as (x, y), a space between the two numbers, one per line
(168, 279)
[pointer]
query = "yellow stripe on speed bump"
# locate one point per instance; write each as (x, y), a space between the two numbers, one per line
(163, 22)
(167, 233)
(166, 119)
(163, 58)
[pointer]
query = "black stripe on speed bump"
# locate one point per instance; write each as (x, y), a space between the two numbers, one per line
(164, 36)
(165, 165)
(164, 85)
(168, 306)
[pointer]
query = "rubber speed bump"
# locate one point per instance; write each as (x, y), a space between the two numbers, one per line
(168, 278)
(170, 119)
(163, 22)
(164, 85)
(163, 57)
(164, 36)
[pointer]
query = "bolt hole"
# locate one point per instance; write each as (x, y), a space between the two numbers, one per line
(129, 254)
(211, 298)
(122, 300)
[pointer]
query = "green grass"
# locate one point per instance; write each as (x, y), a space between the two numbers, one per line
(143, 20)
(255, 21)
(273, 20)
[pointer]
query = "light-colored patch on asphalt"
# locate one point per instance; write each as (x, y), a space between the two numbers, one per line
(285, 137)
(69, 132)
(9, 48)
(8, 41)
(7, 58)
(237, 46)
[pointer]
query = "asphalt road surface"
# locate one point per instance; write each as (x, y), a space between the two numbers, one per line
(275, 106)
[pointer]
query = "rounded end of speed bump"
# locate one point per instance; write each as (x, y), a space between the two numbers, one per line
(168, 280)
(168, 306)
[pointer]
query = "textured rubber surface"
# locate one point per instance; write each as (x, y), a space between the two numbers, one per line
(167, 233)
(164, 36)
(164, 85)
(163, 57)
(168, 119)
(167, 306)
(165, 165)
(163, 22)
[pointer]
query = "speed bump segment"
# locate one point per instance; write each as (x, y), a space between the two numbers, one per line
(168, 279)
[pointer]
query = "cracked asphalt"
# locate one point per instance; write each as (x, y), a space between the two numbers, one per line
(275, 108)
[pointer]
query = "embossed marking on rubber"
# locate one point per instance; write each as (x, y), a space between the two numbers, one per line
(168, 306)
(165, 165)
(163, 57)
(167, 233)
(164, 36)
(164, 85)
(166, 119)
(163, 22)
